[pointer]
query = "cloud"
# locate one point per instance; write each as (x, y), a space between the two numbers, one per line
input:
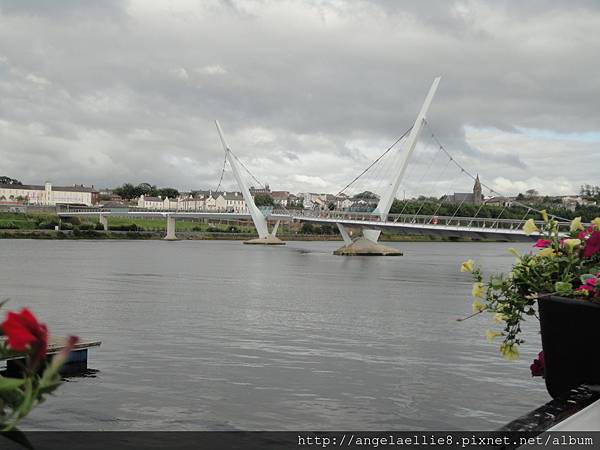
(308, 92)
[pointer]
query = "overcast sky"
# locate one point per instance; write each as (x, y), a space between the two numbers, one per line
(307, 92)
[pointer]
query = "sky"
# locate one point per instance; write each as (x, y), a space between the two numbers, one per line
(308, 92)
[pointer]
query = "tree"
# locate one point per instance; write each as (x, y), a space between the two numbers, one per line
(531, 193)
(366, 195)
(262, 199)
(8, 180)
(168, 192)
(126, 191)
(146, 189)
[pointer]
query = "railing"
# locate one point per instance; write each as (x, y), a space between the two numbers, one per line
(425, 220)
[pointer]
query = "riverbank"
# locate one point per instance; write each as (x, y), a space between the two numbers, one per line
(198, 236)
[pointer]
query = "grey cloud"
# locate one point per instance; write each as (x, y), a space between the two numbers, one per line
(134, 94)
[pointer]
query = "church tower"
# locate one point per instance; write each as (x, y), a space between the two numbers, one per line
(477, 195)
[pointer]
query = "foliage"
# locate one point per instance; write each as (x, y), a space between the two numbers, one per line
(263, 199)
(28, 339)
(307, 228)
(7, 180)
(366, 195)
(128, 191)
(567, 266)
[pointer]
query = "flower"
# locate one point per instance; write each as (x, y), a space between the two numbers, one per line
(509, 351)
(499, 317)
(477, 290)
(542, 243)
(546, 253)
(24, 332)
(477, 306)
(576, 224)
(467, 266)
(585, 289)
(571, 243)
(544, 215)
(596, 223)
(592, 281)
(592, 246)
(490, 335)
(537, 367)
(530, 227)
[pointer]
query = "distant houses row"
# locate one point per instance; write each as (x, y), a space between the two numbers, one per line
(227, 201)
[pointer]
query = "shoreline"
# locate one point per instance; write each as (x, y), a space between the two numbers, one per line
(199, 236)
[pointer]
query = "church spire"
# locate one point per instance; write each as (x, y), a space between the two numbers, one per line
(477, 195)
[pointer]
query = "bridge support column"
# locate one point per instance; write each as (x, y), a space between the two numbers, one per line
(170, 229)
(363, 246)
(103, 221)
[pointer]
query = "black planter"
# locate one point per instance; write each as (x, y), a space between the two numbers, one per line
(570, 339)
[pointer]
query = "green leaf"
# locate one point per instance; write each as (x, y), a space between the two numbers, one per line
(10, 384)
(563, 288)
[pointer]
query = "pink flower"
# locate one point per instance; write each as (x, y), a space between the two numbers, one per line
(537, 367)
(585, 287)
(592, 246)
(542, 243)
(591, 281)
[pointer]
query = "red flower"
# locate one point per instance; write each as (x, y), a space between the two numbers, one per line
(542, 243)
(592, 281)
(537, 367)
(24, 332)
(592, 246)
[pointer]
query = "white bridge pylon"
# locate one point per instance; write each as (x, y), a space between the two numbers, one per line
(260, 222)
(387, 197)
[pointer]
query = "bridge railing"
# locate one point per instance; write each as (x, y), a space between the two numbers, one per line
(428, 220)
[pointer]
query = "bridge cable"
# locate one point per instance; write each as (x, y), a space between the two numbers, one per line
(222, 173)
(483, 184)
(374, 162)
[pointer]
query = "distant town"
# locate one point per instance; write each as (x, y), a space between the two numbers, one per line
(15, 195)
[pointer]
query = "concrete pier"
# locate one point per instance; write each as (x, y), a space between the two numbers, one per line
(170, 229)
(269, 240)
(365, 247)
(103, 221)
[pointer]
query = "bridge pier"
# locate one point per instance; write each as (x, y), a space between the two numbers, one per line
(103, 221)
(170, 229)
(366, 247)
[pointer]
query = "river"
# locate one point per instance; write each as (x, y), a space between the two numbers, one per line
(216, 335)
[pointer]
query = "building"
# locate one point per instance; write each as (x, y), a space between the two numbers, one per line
(49, 195)
(500, 201)
(474, 198)
(231, 202)
(280, 198)
(260, 190)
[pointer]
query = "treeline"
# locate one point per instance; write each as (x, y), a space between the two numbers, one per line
(128, 191)
(430, 206)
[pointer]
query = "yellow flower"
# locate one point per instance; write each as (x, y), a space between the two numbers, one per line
(499, 317)
(467, 266)
(546, 253)
(576, 224)
(477, 290)
(477, 306)
(544, 215)
(572, 243)
(596, 223)
(513, 252)
(530, 227)
(490, 335)
(509, 351)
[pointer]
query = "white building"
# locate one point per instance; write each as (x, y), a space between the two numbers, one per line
(48, 195)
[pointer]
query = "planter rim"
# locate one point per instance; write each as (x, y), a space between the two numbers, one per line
(569, 301)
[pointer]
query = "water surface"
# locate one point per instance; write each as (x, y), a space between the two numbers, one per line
(215, 335)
